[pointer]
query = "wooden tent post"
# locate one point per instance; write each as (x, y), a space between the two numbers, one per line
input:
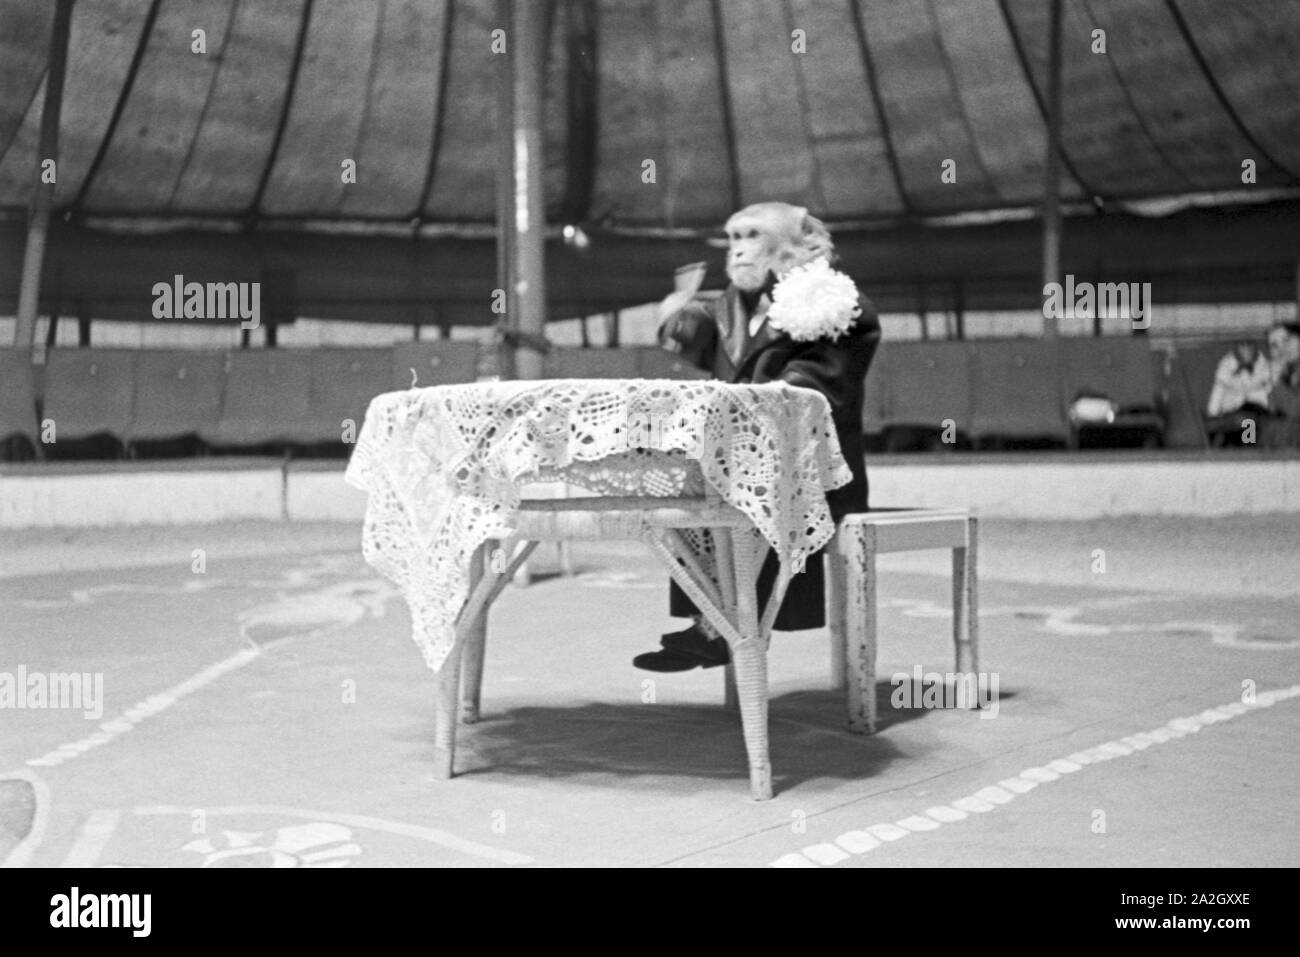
(505, 195)
(38, 222)
(1052, 176)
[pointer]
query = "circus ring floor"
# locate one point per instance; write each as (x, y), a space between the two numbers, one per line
(271, 710)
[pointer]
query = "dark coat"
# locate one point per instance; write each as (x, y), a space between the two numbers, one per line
(836, 368)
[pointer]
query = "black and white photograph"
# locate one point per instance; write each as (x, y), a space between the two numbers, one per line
(636, 434)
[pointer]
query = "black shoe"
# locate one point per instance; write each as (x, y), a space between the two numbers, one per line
(664, 660)
(684, 650)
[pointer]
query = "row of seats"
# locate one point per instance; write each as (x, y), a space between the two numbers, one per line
(250, 397)
(1010, 388)
(1005, 388)
(240, 397)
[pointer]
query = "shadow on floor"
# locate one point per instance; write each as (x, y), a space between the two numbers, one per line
(683, 743)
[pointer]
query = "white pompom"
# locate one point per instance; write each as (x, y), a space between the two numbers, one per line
(814, 302)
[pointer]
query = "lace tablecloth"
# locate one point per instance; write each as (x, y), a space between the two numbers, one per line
(444, 467)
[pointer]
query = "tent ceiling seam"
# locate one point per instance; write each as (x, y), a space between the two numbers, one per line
(290, 89)
(439, 108)
(728, 108)
(1023, 58)
(1192, 185)
(37, 87)
(882, 118)
(1221, 94)
(255, 207)
(375, 46)
(960, 103)
(207, 102)
(137, 57)
(805, 114)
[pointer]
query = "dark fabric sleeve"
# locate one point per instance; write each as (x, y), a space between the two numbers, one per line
(692, 333)
(836, 368)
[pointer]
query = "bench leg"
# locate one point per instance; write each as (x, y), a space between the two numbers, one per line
(860, 630)
(836, 621)
(965, 609)
(750, 663)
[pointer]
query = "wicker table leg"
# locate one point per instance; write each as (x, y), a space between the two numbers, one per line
(750, 661)
(444, 735)
(488, 563)
(726, 570)
(475, 644)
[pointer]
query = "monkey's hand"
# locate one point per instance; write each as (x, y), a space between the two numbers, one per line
(688, 329)
(672, 305)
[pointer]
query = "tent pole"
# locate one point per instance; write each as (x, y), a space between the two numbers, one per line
(528, 48)
(1052, 176)
(38, 222)
(505, 194)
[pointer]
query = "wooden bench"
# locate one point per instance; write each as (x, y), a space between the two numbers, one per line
(851, 594)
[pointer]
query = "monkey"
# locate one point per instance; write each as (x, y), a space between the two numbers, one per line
(729, 337)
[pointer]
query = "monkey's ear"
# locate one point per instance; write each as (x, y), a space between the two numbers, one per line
(812, 226)
(816, 237)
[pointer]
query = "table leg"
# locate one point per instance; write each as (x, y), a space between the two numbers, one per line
(749, 656)
(730, 700)
(471, 687)
(444, 735)
(487, 580)
(860, 638)
(725, 563)
(965, 610)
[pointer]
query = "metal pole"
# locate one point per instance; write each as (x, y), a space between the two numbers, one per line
(1052, 177)
(528, 48)
(38, 222)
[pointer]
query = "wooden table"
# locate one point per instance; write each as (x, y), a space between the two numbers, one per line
(729, 602)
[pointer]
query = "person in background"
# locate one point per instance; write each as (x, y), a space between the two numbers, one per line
(1283, 348)
(1241, 382)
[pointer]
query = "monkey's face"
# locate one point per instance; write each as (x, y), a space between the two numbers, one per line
(756, 245)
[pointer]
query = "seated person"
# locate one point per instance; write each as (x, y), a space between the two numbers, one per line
(1283, 348)
(1241, 382)
(732, 337)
